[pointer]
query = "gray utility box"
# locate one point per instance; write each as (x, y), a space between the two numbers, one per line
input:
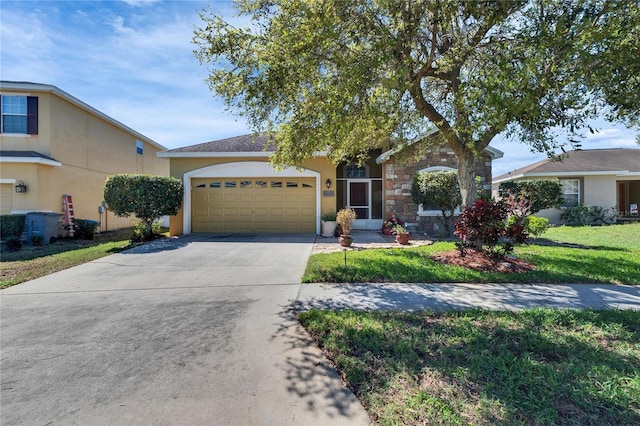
(44, 224)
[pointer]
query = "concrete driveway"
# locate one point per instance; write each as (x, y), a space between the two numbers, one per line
(195, 330)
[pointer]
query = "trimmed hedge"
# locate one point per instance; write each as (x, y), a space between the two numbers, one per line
(12, 225)
(85, 229)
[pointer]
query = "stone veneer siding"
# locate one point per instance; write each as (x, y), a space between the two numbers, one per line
(399, 173)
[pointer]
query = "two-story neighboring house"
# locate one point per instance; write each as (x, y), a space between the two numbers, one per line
(52, 144)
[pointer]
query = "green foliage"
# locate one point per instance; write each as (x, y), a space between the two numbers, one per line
(146, 197)
(540, 194)
(12, 225)
(345, 77)
(13, 243)
(85, 229)
(484, 225)
(440, 189)
(140, 232)
(581, 215)
(537, 225)
(329, 217)
(399, 229)
(612, 69)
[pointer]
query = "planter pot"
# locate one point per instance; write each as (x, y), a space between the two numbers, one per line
(345, 240)
(387, 231)
(402, 239)
(328, 228)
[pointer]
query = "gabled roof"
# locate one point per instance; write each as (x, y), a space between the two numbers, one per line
(385, 156)
(30, 157)
(260, 145)
(614, 161)
(48, 88)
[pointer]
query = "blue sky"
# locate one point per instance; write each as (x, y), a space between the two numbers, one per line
(133, 60)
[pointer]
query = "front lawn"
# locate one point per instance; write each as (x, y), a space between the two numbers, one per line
(538, 366)
(605, 254)
(37, 261)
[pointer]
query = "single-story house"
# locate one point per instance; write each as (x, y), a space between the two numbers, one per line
(230, 186)
(53, 144)
(606, 178)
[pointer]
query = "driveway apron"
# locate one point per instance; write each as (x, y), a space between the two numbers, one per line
(194, 330)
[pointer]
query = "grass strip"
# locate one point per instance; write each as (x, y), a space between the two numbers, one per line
(607, 254)
(536, 366)
(18, 271)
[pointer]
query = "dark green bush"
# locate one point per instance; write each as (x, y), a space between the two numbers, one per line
(85, 229)
(14, 243)
(36, 240)
(12, 225)
(581, 215)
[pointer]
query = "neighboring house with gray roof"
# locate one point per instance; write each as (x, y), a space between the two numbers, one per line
(607, 178)
(53, 144)
(230, 186)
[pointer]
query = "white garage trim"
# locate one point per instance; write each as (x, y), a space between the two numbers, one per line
(240, 169)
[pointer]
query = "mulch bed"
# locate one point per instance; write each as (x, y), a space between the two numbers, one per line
(477, 260)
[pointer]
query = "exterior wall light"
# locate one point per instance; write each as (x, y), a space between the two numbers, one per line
(21, 187)
(328, 183)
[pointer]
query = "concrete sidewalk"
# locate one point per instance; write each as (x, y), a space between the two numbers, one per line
(441, 297)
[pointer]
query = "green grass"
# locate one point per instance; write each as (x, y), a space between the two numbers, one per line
(538, 366)
(35, 262)
(607, 254)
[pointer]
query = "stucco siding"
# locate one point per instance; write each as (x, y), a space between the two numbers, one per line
(87, 146)
(40, 142)
(600, 191)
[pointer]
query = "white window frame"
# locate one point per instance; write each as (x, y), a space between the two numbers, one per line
(6, 114)
(578, 193)
(421, 210)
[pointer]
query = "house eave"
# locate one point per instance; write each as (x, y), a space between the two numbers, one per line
(31, 160)
(551, 175)
(243, 154)
(48, 88)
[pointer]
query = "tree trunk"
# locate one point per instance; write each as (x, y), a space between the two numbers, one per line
(149, 229)
(466, 177)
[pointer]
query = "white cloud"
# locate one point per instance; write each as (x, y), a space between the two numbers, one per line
(136, 3)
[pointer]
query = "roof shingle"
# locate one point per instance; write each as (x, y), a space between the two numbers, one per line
(582, 161)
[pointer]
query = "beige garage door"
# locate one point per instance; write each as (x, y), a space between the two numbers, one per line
(253, 205)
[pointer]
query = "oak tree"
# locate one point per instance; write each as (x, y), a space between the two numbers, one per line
(344, 77)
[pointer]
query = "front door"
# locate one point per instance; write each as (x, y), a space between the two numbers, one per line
(359, 198)
(622, 198)
(360, 188)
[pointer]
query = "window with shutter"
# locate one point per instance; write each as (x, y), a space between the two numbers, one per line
(19, 114)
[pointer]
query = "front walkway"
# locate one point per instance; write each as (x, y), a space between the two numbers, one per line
(363, 240)
(442, 297)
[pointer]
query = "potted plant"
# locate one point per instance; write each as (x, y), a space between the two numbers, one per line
(389, 225)
(345, 218)
(402, 235)
(328, 224)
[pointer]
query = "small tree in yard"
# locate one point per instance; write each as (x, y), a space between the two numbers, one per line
(484, 226)
(440, 189)
(146, 197)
